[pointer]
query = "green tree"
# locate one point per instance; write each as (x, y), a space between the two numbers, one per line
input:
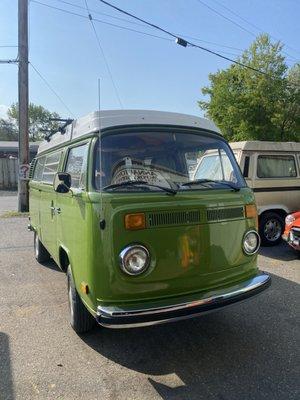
(39, 119)
(8, 130)
(247, 105)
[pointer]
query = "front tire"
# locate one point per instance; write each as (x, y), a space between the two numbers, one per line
(40, 252)
(80, 319)
(271, 227)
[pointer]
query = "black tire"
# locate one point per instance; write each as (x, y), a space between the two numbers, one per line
(80, 318)
(40, 252)
(271, 227)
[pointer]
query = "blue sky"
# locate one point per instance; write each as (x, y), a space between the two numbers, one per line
(149, 73)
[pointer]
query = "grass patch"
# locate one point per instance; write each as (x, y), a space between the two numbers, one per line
(12, 214)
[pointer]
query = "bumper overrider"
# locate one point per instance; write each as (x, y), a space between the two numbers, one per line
(177, 309)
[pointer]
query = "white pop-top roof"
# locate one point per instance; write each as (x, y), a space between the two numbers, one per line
(91, 122)
(257, 145)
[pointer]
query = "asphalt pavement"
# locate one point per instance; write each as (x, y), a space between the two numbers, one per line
(247, 351)
(8, 201)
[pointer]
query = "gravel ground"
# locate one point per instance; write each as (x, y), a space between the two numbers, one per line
(248, 351)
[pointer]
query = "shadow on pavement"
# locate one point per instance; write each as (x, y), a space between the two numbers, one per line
(282, 252)
(249, 351)
(6, 379)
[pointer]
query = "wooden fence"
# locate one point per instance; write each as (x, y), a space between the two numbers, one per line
(8, 173)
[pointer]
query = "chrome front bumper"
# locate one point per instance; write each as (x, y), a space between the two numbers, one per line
(173, 310)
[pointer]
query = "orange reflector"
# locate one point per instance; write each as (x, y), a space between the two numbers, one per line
(84, 287)
(251, 212)
(135, 221)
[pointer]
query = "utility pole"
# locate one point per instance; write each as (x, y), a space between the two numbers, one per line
(23, 197)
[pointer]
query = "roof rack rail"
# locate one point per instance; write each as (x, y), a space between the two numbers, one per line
(61, 129)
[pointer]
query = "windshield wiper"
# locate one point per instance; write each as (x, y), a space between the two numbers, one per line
(200, 181)
(145, 183)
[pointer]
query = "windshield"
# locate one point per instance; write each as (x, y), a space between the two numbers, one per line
(164, 158)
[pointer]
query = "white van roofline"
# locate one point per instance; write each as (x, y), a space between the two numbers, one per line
(113, 118)
(258, 145)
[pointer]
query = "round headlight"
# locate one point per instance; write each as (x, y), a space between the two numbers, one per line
(251, 242)
(289, 219)
(134, 259)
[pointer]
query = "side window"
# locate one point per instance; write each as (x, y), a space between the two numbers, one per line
(38, 169)
(50, 167)
(246, 167)
(273, 166)
(77, 164)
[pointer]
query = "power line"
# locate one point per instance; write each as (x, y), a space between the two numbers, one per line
(13, 61)
(152, 35)
(126, 28)
(141, 24)
(99, 12)
(139, 19)
(227, 18)
(51, 88)
(180, 41)
(103, 55)
(251, 24)
(100, 21)
(212, 43)
(130, 29)
(235, 23)
(237, 15)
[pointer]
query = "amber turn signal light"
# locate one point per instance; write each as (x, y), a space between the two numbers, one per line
(84, 287)
(135, 221)
(251, 212)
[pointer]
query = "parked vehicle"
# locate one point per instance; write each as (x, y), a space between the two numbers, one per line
(272, 170)
(141, 241)
(292, 230)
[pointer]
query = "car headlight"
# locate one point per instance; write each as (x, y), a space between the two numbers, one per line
(289, 219)
(134, 259)
(251, 242)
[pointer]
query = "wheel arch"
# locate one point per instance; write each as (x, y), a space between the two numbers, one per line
(64, 258)
(279, 209)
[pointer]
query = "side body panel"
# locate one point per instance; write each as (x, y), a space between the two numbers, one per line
(273, 193)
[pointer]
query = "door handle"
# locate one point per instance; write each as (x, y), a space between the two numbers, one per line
(55, 210)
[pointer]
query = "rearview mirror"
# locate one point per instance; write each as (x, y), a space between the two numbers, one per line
(62, 182)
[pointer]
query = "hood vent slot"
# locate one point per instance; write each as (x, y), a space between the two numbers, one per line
(221, 214)
(174, 218)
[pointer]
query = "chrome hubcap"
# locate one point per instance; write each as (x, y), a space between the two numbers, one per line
(272, 230)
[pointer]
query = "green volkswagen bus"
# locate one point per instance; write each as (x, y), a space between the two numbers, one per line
(144, 234)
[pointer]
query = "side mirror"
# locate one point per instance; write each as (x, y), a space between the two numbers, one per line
(62, 182)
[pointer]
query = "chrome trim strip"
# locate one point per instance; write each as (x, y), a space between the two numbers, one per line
(217, 296)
